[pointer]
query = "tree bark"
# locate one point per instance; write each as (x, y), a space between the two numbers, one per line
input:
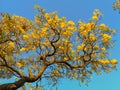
(13, 86)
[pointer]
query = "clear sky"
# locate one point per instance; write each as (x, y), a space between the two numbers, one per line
(76, 10)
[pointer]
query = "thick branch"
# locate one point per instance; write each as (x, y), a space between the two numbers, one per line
(22, 81)
(13, 86)
(14, 70)
(35, 78)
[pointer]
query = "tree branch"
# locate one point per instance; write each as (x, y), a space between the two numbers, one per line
(9, 67)
(13, 86)
(22, 81)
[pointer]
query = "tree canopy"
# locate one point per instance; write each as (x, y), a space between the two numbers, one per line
(51, 48)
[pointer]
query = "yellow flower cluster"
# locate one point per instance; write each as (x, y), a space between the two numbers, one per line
(96, 15)
(92, 37)
(47, 42)
(22, 49)
(47, 15)
(83, 33)
(26, 36)
(21, 29)
(62, 24)
(65, 58)
(37, 20)
(67, 33)
(19, 64)
(96, 47)
(103, 48)
(52, 19)
(71, 23)
(86, 27)
(114, 61)
(95, 18)
(97, 12)
(102, 25)
(61, 47)
(67, 27)
(80, 47)
(70, 28)
(35, 36)
(106, 62)
(21, 23)
(106, 38)
(11, 44)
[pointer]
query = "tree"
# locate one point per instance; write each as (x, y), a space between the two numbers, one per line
(50, 48)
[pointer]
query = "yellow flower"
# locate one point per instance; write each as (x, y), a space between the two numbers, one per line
(34, 35)
(104, 62)
(44, 31)
(96, 47)
(80, 47)
(92, 25)
(56, 18)
(62, 24)
(22, 49)
(65, 58)
(11, 44)
(102, 54)
(46, 42)
(102, 25)
(95, 18)
(19, 64)
(71, 23)
(114, 61)
(83, 33)
(103, 48)
(82, 25)
(107, 61)
(88, 27)
(97, 12)
(47, 16)
(106, 38)
(71, 28)
(37, 20)
(82, 28)
(101, 61)
(61, 47)
(92, 37)
(67, 33)
(25, 36)
(21, 29)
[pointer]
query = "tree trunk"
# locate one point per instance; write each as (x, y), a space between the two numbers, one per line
(13, 86)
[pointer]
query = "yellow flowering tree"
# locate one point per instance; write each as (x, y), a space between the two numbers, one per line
(50, 48)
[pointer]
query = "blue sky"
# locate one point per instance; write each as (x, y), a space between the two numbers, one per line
(76, 10)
